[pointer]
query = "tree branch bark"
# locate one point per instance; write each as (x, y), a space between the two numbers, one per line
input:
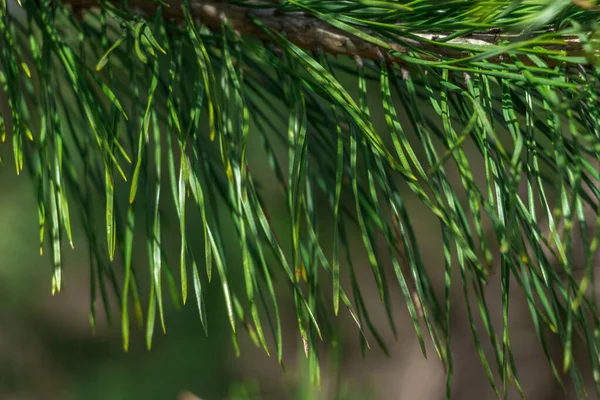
(311, 33)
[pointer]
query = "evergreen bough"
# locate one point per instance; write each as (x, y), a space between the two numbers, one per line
(106, 92)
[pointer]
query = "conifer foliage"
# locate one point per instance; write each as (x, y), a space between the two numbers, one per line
(157, 100)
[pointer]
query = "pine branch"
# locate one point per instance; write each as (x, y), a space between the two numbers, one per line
(311, 33)
(533, 126)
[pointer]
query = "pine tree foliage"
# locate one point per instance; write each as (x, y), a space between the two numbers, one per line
(157, 100)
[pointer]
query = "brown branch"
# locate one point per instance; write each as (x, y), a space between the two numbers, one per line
(311, 33)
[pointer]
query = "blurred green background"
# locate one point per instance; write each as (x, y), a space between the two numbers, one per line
(47, 349)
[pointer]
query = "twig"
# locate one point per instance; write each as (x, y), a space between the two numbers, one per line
(312, 33)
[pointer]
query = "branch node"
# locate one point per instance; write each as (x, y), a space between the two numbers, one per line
(380, 56)
(405, 74)
(359, 61)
